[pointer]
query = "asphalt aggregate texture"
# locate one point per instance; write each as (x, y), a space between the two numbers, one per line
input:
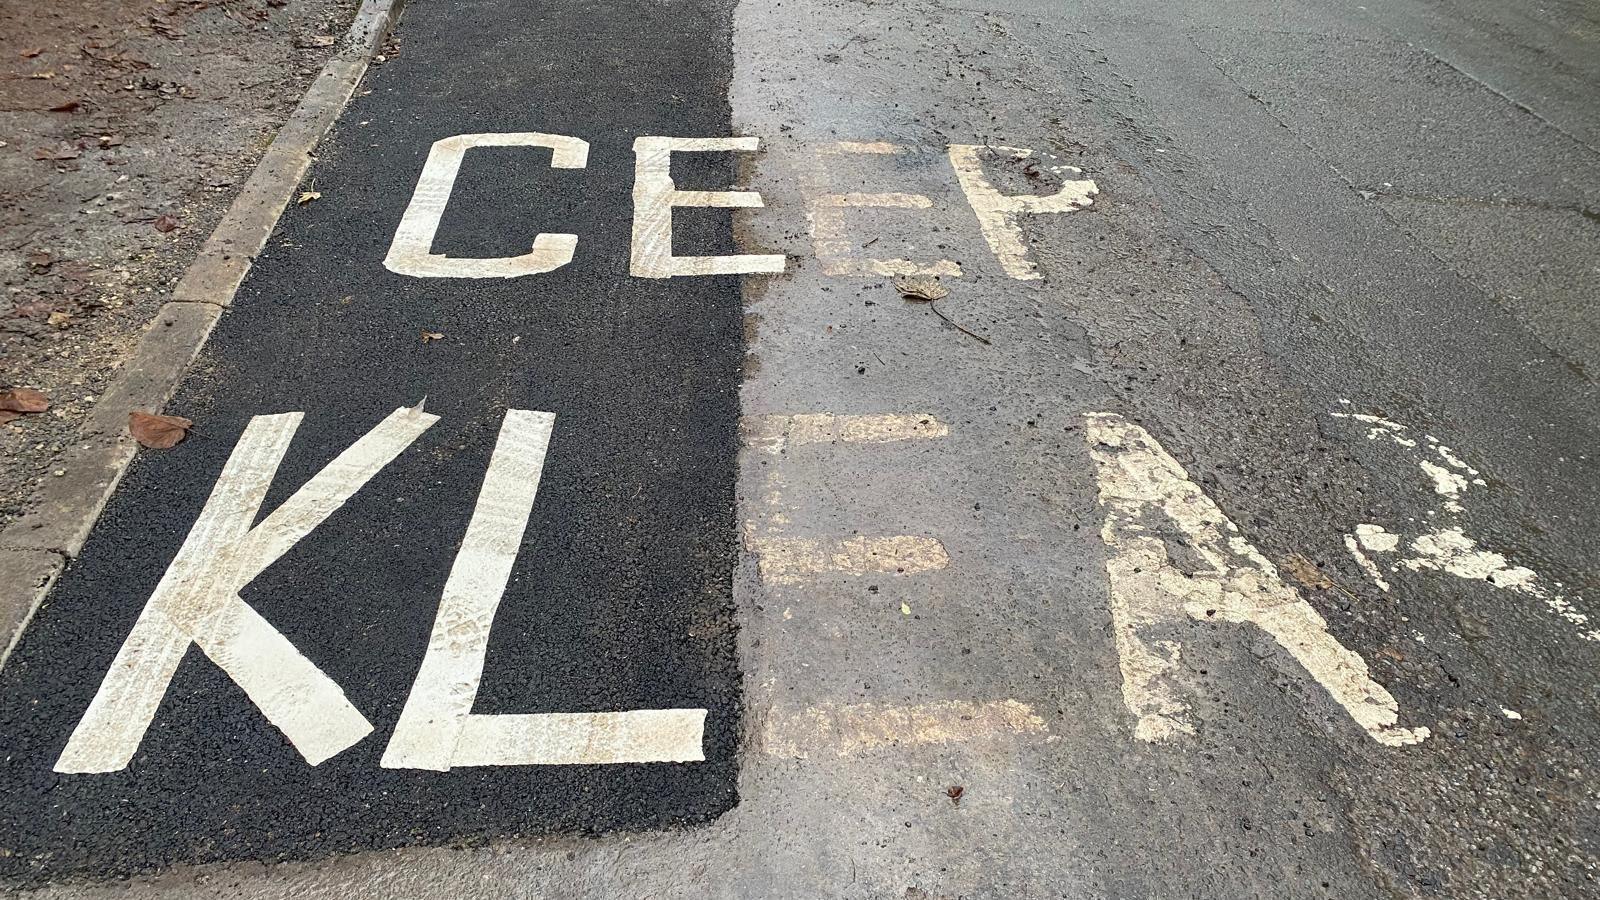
(1307, 213)
(620, 598)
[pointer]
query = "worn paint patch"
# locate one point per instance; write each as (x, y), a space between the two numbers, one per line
(1148, 499)
(776, 432)
(1000, 215)
(835, 247)
(851, 729)
(1446, 547)
(787, 560)
(1353, 544)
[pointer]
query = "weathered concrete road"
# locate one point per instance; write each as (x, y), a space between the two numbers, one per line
(1224, 529)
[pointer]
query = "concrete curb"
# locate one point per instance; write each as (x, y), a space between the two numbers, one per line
(36, 548)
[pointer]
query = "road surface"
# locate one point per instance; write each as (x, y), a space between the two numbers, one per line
(586, 499)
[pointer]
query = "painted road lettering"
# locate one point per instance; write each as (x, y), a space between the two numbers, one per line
(999, 215)
(1148, 501)
(654, 196)
(198, 602)
(411, 252)
(438, 729)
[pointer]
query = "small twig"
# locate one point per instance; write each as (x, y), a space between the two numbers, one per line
(958, 326)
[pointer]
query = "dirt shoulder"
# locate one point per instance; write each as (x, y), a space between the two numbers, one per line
(126, 128)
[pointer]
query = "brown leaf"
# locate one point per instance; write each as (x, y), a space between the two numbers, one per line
(64, 151)
(31, 52)
(432, 336)
(307, 197)
(23, 400)
(318, 40)
(921, 288)
(158, 432)
(165, 223)
(60, 319)
(954, 792)
(7, 415)
(67, 106)
(1306, 572)
(107, 141)
(40, 259)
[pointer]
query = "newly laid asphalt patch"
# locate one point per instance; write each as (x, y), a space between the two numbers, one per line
(620, 597)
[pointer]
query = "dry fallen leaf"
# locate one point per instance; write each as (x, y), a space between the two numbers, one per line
(317, 40)
(1306, 572)
(921, 287)
(308, 196)
(7, 415)
(905, 609)
(23, 400)
(158, 432)
(432, 336)
(31, 52)
(954, 792)
(42, 76)
(165, 223)
(67, 106)
(64, 151)
(60, 319)
(107, 141)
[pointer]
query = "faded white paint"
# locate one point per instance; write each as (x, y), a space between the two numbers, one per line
(198, 601)
(1148, 499)
(437, 728)
(1353, 544)
(1376, 539)
(834, 244)
(773, 433)
(1446, 547)
(1000, 215)
(851, 729)
(411, 252)
(655, 196)
(790, 560)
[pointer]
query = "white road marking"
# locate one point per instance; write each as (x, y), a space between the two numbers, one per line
(1353, 544)
(1000, 215)
(655, 195)
(775, 432)
(1227, 580)
(791, 560)
(197, 600)
(834, 245)
(847, 730)
(1446, 547)
(411, 251)
(437, 729)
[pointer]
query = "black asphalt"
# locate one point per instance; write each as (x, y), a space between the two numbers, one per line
(621, 597)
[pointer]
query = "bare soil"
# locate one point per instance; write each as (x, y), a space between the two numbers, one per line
(126, 128)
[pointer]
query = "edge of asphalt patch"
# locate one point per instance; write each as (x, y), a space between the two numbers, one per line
(35, 549)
